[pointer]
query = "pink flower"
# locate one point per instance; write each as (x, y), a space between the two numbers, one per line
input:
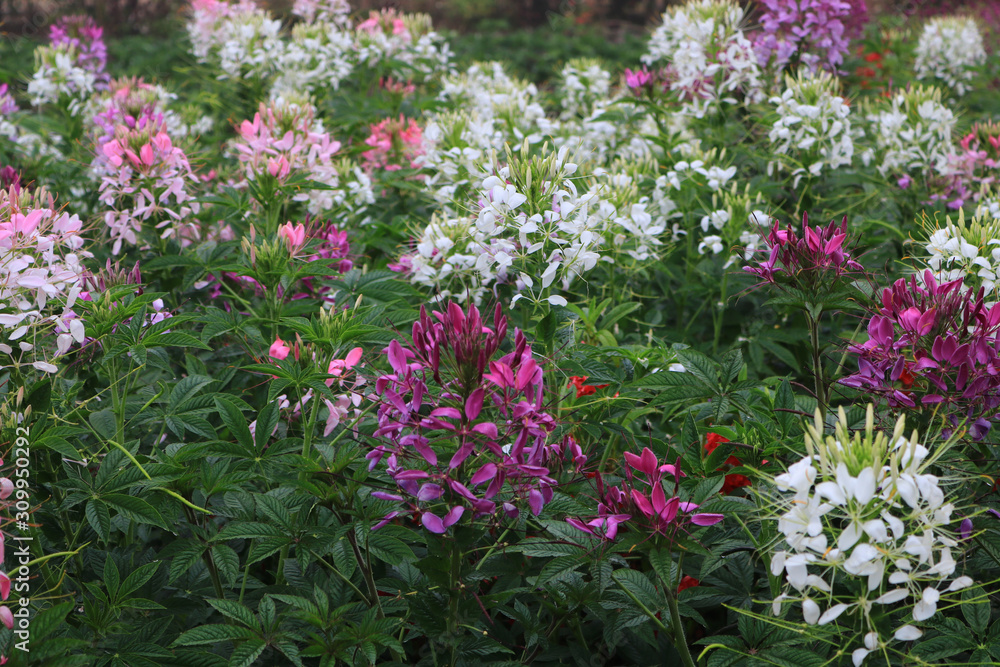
(278, 349)
(637, 79)
(338, 366)
(294, 235)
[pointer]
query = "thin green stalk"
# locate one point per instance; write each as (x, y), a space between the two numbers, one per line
(819, 382)
(678, 623)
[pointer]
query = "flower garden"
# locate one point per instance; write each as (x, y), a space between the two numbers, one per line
(323, 344)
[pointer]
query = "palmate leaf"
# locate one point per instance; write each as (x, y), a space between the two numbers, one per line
(214, 634)
(237, 612)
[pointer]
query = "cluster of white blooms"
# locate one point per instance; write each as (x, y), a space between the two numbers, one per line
(597, 122)
(241, 39)
(488, 108)
(949, 49)
(535, 228)
(813, 127)
(58, 76)
(866, 528)
(583, 84)
(912, 131)
(989, 205)
(967, 249)
(333, 11)
(710, 59)
(317, 54)
(407, 40)
(41, 276)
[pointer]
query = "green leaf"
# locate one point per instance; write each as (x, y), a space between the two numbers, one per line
(942, 646)
(99, 518)
(214, 634)
(640, 586)
(236, 423)
(137, 579)
(267, 419)
(104, 423)
(237, 612)
(173, 339)
(134, 508)
(976, 608)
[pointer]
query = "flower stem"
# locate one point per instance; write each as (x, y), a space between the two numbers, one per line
(679, 636)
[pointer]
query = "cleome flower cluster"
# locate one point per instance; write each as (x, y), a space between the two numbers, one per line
(865, 534)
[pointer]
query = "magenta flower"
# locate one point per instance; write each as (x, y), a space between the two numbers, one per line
(87, 39)
(650, 510)
(931, 344)
(462, 427)
(813, 262)
(815, 33)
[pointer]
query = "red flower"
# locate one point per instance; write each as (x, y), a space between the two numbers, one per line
(686, 583)
(584, 389)
(735, 480)
(873, 57)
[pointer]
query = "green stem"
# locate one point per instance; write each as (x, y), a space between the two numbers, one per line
(817, 362)
(456, 575)
(678, 623)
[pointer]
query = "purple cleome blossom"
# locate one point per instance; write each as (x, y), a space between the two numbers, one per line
(811, 262)
(87, 38)
(933, 346)
(652, 509)
(818, 32)
(463, 430)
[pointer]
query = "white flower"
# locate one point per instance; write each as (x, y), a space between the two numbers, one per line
(908, 633)
(927, 605)
(949, 49)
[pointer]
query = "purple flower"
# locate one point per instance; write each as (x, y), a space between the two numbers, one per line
(644, 502)
(904, 182)
(638, 79)
(817, 32)
(87, 38)
(462, 426)
(9, 178)
(933, 345)
(7, 103)
(814, 261)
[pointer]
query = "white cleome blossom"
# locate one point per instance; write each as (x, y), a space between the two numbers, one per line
(949, 50)
(57, 77)
(710, 59)
(813, 126)
(912, 132)
(865, 533)
(967, 249)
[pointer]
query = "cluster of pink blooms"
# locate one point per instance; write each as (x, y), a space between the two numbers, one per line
(332, 247)
(87, 40)
(814, 32)
(931, 346)
(814, 261)
(644, 501)
(128, 102)
(444, 411)
(282, 139)
(148, 180)
(385, 22)
(41, 273)
(977, 165)
(342, 374)
(395, 144)
(7, 103)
